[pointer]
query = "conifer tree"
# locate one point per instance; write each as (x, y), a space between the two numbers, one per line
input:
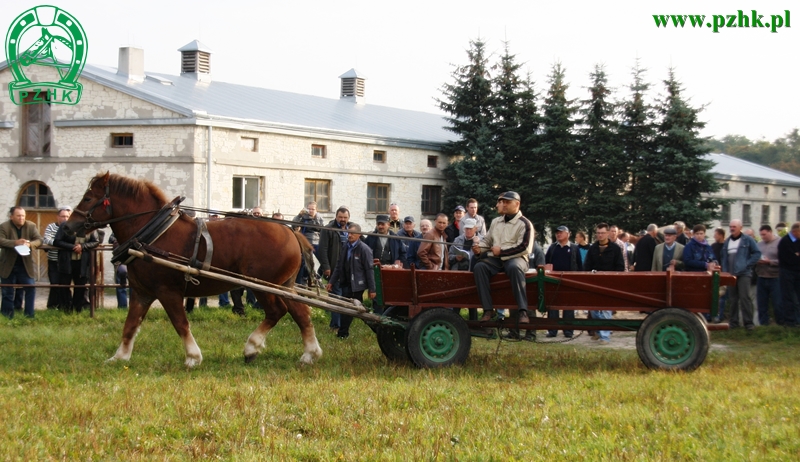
(677, 189)
(637, 135)
(516, 120)
(602, 164)
(552, 196)
(474, 159)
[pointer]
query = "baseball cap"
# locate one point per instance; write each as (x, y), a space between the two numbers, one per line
(459, 207)
(509, 195)
(408, 219)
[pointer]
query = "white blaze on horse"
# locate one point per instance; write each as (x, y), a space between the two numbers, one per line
(138, 212)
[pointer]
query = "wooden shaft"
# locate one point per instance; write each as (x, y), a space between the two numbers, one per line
(352, 310)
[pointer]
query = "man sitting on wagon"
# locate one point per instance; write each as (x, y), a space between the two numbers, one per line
(505, 247)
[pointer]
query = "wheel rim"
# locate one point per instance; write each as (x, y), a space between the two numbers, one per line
(439, 341)
(673, 343)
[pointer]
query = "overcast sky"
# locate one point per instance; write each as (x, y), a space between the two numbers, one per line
(747, 77)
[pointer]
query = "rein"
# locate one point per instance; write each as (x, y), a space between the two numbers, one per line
(105, 201)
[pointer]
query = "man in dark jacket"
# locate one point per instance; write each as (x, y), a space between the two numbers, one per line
(353, 273)
(74, 264)
(453, 231)
(563, 255)
(643, 253)
(390, 252)
(330, 243)
(16, 266)
(603, 255)
(789, 275)
(411, 246)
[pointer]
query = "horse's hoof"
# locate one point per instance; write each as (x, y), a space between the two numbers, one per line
(249, 358)
(193, 362)
(111, 359)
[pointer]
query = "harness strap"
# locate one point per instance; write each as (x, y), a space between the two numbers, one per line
(202, 231)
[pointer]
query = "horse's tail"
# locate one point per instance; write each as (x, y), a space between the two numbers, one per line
(307, 250)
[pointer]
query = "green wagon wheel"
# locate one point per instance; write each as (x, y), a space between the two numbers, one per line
(438, 337)
(672, 339)
(392, 342)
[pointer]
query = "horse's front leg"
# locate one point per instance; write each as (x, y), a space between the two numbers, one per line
(173, 305)
(137, 310)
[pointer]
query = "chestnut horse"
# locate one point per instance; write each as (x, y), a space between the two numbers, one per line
(260, 249)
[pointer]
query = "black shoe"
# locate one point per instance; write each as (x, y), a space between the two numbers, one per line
(551, 334)
(342, 336)
(530, 336)
(568, 334)
(512, 334)
(240, 312)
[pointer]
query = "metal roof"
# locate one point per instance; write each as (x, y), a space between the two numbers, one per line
(255, 105)
(733, 168)
(195, 45)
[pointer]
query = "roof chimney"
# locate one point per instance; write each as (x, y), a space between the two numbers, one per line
(196, 61)
(353, 86)
(131, 63)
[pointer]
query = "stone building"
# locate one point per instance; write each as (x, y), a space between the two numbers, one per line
(760, 195)
(223, 146)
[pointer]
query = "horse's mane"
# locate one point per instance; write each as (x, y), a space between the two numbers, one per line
(134, 188)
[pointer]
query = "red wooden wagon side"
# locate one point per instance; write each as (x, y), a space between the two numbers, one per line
(673, 335)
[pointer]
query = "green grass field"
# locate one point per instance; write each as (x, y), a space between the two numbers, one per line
(59, 400)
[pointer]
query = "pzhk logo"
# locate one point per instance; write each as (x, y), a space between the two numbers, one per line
(46, 36)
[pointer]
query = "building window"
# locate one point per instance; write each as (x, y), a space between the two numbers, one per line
(797, 216)
(726, 186)
(319, 191)
(431, 200)
(747, 188)
(36, 195)
(379, 157)
(36, 131)
(377, 198)
(122, 140)
(433, 161)
(766, 189)
(319, 150)
(765, 214)
(782, 212)
(246, 192)
(249, 144)
(725, 214)
(746, 219)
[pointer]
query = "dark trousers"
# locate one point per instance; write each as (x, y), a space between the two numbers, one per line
(121, 278)
(768, 288)
(336, 318)
(18, 276)
(568, 314)
(515, 269)
(790, 293)
(346, 320)
(78, 291)
(236, 299)
(741, 301)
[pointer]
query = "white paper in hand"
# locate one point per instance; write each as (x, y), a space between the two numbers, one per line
(23, 250)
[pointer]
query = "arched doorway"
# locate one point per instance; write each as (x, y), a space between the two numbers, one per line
(40, 208)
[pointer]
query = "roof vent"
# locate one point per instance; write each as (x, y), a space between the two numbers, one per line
(196, 61)
(131, 63)
(353, 86)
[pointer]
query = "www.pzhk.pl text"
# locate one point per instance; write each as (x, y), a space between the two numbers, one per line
(719, 21)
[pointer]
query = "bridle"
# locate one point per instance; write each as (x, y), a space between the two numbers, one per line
(105, 201)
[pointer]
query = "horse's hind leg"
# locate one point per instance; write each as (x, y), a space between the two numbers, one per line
(274, 309)
(301, 313)
(173, 305)
(137, 310)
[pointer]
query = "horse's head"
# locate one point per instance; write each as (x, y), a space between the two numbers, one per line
(94, 208)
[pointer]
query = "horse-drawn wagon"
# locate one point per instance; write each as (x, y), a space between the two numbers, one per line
(172, 256)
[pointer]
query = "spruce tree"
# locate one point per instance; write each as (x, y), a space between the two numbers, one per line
(603, 166)
(516, 120)
(552, 196)
(474, 160)
(684, 178)
(637, 135)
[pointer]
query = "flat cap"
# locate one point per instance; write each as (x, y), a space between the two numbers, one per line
(562, 228)
(470, 223)
(670, 230)
(382, 219)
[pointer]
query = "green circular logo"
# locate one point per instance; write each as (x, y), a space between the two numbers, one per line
(46, 36)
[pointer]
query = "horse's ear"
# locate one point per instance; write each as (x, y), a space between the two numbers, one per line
(105, 179)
